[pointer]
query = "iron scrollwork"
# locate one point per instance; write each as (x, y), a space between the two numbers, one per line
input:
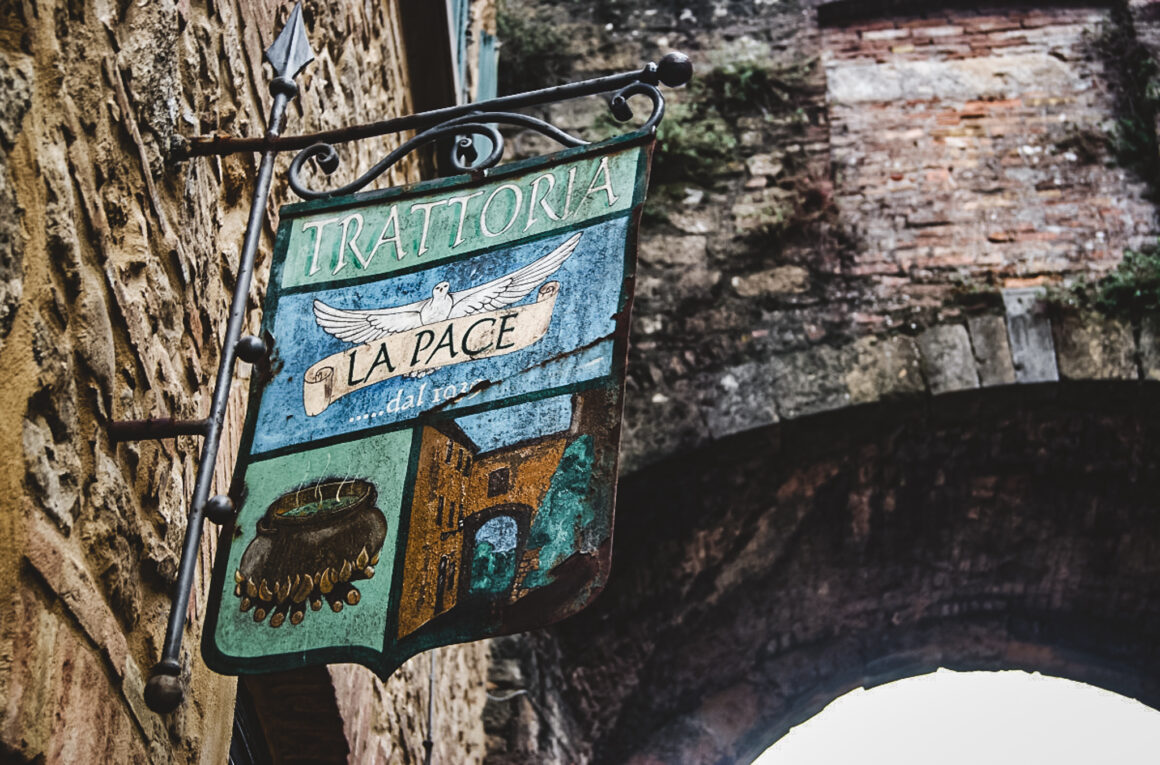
(482, 119)
(462, 158)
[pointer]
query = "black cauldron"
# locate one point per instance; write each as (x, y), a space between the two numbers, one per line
(311, 544)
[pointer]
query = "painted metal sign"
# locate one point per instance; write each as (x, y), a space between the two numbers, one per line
(431, 457)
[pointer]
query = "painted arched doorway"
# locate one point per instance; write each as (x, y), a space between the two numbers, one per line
(494, 540)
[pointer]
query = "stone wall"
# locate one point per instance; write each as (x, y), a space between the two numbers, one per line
(116, 269)
(881, 219)
(875, 184)
(967, 154)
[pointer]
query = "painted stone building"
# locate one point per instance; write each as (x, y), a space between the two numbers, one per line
(498, 493)
(483, 522)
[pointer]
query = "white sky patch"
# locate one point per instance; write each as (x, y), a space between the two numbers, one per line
(500, 532)
(975, 718)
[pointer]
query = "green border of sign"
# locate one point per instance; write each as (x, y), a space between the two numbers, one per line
(395, 652)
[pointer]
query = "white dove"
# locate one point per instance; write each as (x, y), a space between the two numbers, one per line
(365, 326)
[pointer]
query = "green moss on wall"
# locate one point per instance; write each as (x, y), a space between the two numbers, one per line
(533, 53)
(1131, 291)
(1135, 79)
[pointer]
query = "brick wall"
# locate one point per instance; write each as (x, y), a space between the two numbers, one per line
(969, 146)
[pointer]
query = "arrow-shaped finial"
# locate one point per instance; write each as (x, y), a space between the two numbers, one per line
(291, 51)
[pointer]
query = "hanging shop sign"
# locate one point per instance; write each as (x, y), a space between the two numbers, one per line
(430, 447)
(432, 457)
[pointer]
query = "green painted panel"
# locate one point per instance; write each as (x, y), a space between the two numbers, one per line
(492, 570)
(567, 508)
(315, 484)
(383, 237)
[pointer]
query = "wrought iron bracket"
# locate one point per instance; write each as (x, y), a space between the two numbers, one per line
(458, 123)
(288, 55)
(674, 70)
(156, 429)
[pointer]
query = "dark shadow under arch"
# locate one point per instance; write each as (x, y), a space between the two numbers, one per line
(759, 578)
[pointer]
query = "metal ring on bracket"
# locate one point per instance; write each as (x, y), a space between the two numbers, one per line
(471, 124)
(622, 111)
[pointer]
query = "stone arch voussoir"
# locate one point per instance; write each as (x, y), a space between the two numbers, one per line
(760, 577)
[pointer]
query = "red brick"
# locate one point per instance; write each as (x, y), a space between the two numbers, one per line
(932, 21)
(1007, 42)
(987, 23)
(886, 34)
(1036, 20)
(1036, 236)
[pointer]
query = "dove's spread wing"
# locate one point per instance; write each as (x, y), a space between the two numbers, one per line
(510, 288)
(356, 326)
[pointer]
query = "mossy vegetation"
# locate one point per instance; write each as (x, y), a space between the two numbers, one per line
(1131, 291)
(695, 144)
(533, 52)
(715, 125)
(1135, 78)
(699, 140)
(1134, 287)
(737, 132)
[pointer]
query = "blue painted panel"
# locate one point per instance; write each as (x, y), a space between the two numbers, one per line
(590, 285)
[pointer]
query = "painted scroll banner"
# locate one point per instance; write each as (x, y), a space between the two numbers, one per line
(431, 455)
(430, 347)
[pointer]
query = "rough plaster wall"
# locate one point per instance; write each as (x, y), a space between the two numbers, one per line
(116, 268)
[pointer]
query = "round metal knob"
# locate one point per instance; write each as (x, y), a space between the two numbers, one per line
(251, 349)
(163, 693)
(219, 508)
(620, 108)
(675, 70)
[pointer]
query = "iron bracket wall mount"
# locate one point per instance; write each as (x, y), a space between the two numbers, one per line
(288, 55)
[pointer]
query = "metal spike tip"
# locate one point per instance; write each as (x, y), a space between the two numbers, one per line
(291, 51)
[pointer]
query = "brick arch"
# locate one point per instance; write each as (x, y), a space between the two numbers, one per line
(755, 581)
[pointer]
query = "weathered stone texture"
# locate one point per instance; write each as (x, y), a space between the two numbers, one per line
(386, 722)
(920, 163)
(759, 579)
(835, 469)
(948, 360)
(116, 269)
(1095, 348)
(991, 349)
